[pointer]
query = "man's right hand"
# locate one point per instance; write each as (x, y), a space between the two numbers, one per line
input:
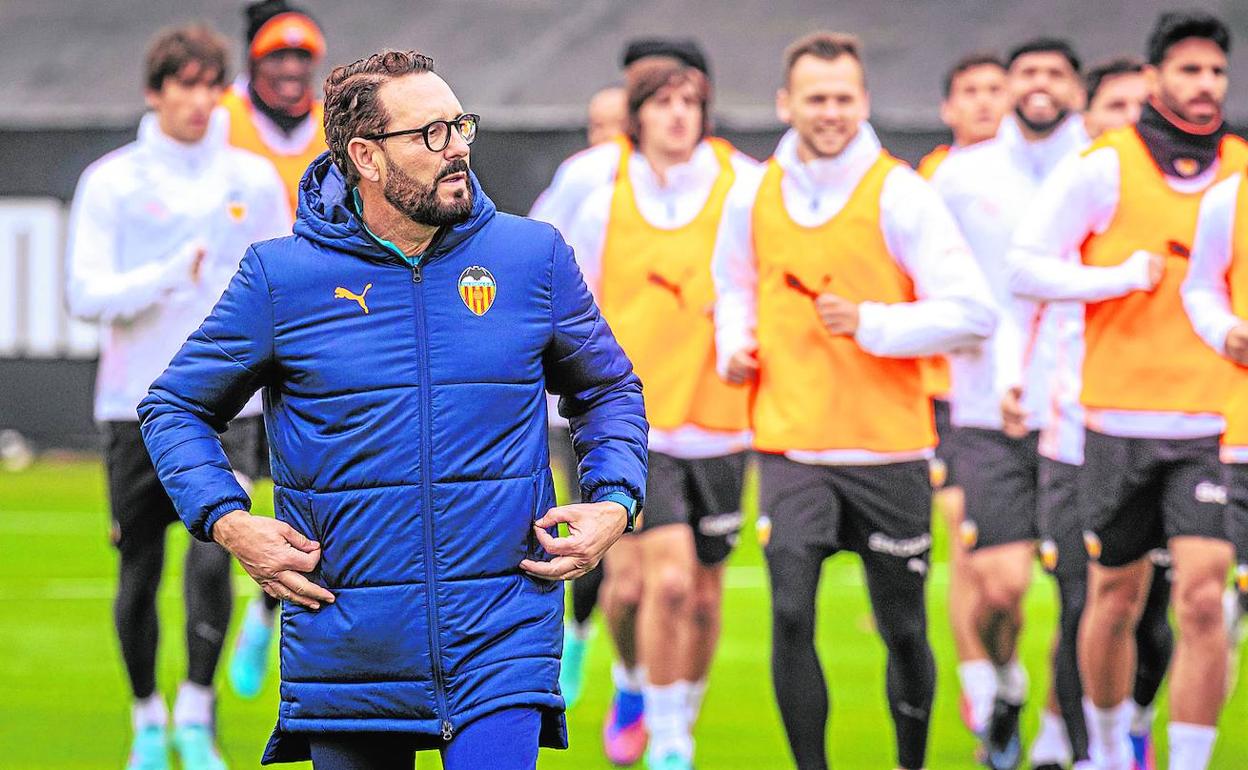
(275, 554)
(1237, 344)
(742, 367)
(1155, 268)
(1013, 415)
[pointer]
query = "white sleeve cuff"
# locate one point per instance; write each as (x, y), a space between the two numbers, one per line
(872, 326)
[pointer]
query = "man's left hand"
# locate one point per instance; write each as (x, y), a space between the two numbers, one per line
(838, 314)
(592, 529)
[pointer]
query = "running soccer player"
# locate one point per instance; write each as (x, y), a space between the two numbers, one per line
(837, 269)
(273, 111)
(576, 178)
(155, 234)
(988, 188)
(1215, 296)
(1116, 94)
(644, 243)
(607, 115)
(591, 168)
(1152, 390)
(607, 118)
(975, 101)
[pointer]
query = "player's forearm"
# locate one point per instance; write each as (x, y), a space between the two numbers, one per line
(924, 327)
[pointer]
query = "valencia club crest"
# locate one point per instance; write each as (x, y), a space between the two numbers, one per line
(477, 289)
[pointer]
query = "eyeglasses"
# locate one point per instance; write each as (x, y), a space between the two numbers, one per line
(437, 133)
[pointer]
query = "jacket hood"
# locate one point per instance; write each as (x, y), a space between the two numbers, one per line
(326, 216)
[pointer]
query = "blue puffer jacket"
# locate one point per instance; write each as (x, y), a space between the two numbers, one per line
(408, 436)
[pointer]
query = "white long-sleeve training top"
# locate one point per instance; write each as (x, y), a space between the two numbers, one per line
(1045, 265)
(577, 176)
(954, 308)
(1206, 292)
(989, 187)
(139, 216)
(667, 204)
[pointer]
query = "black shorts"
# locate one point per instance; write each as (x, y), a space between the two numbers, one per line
(1236, 480)
(139, 506)
(999, 476)
(1137, 493)
(704, 494)
(828, 508)
(944, 476)
(1058, 524)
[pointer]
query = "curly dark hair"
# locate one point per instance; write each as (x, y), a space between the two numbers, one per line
(351, 105)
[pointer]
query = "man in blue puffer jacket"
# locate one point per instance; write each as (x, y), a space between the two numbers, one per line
(405, 336)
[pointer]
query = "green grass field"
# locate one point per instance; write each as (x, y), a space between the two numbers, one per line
(64, 700)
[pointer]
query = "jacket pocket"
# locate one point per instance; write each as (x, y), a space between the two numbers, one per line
(534, 549)
(542, 486)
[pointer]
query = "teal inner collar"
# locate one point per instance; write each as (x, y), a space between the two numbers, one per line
(358, 203)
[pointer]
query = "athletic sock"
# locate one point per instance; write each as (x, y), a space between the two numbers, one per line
(1107, 736)
(979, 687)
(1051, 746)
(1190, 745)
(259, 612)
(149, 712)
(1142, 719)
(697, 693)
(667, 711)
(1012, 683)
(194, 705)
(580, 630)
(629, 704)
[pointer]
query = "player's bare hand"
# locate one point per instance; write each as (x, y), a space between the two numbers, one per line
(197, 264)
(742, 367)
(1156, 270)
(838, 314)
(275, 554)
(592, 529)
(1237, 344)
(1013, 415)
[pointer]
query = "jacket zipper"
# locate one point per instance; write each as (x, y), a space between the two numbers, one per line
(435, 648)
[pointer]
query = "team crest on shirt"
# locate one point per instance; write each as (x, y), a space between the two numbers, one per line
(477, 289)
(1186, 166)
(237, 210)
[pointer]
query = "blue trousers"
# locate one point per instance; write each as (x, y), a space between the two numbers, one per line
(504, 740)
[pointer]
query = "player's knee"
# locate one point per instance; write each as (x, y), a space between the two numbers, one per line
(706, 604)
(622, 588)
(1004, 594)
(672, 587)
(793, 620)
(904, 633)
(1198, 608)
(208, 567)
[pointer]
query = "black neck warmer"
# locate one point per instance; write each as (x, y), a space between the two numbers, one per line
(285, 121)
(1181, 149)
